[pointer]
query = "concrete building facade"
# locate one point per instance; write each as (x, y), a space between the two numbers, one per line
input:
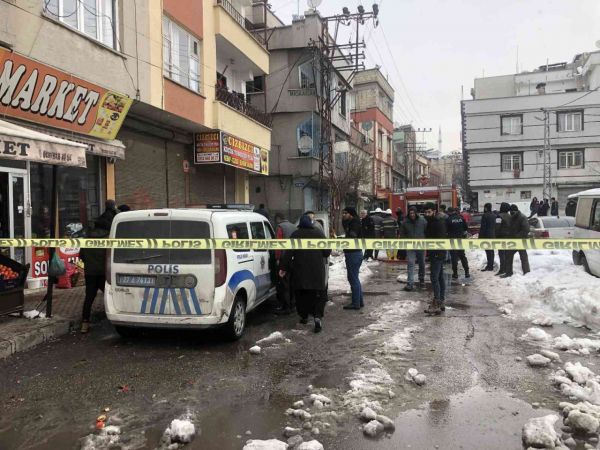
(503, 132)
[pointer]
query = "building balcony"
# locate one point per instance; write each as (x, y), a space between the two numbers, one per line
(234, 38)
(235, 116)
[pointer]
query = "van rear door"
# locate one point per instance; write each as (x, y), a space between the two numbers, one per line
(163, 281)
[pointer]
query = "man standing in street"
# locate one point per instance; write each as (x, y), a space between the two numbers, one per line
(457, 229)
(377, 221)
(554, 207)
(368, 231)
(263, 211)
(519, 228)
(284, 290)
(413, 227)
(353, 258)
(436, 229)
(389, 230)
(503, 232)
(544, 208)
(488, 231)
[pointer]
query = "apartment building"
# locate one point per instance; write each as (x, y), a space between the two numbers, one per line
(503, 132)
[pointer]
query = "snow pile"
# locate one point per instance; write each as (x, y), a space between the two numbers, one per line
(536, 334)
(578, 382)
(34, 314)
(107, 437)
(413, 375)
(371, 381)
(537, 360)
(255, 350)
(181, 431)
(310, 445)
(271, 444)
(275, 336)
(581, 346)
(554, 291)
(338, 280)
(376, 423)
(540, 433)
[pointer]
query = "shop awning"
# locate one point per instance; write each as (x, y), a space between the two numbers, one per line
(23, 144)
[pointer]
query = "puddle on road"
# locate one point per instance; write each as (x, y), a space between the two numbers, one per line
(475, 419)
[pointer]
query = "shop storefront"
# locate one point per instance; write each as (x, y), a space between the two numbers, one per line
(42, 105)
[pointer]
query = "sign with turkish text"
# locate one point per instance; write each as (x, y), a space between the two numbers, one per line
(222, 147)
(36, 92)
(207, 147)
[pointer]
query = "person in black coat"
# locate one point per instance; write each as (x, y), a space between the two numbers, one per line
(436, 229)
(519, 229)
(503, 225)
(554, 207)
(544, 208)
(488, 231)
(457, 229)
(368, 231)
(308, 274)
(354, 258)
(94, 260)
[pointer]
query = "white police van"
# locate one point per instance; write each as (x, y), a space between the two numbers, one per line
(177, 288)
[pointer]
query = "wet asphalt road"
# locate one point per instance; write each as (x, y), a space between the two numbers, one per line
(477, 395)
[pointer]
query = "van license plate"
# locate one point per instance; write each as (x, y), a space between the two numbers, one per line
(136, 280)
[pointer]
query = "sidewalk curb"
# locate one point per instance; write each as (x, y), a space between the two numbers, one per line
(43, 331)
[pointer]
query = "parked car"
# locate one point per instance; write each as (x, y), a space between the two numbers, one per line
(553, 227)
(176, 288)
(587, 226)
(475, 224)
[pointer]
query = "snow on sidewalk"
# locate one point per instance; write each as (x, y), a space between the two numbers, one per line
(338, 280)
(555, 289)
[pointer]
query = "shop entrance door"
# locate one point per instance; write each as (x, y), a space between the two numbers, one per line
(14, 220)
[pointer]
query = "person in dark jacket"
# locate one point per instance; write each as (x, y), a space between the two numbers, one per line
(377, 217)
(94, 261)
(519, 229)
(400, 254)
(554, 207)
(457, 229)
(389, 229)
(263, 211)
(124, 208)
(413, 227)
(368, 231)
(354, 259)
(503, 232)
(308, 274)
(285, 297)
(436, 229)
(544, 208)
(534, 207)
(488, 231)
(571, 207)
(106, 218)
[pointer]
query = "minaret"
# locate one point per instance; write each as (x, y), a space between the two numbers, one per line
(440, 142)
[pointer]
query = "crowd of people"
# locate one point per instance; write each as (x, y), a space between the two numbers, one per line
(544, 207)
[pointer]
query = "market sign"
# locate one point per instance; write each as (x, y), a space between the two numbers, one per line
(33, 91)
(221, 147)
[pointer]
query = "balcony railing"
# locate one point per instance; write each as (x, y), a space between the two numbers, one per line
(244, 23)
(237, 102)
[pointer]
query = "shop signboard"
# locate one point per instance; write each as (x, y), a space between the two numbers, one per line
(40, 256)
(230, 150)
(36, 92)
(207, 147)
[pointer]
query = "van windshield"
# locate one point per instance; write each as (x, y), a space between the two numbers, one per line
(162, 229)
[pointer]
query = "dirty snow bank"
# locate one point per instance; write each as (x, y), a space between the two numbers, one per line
(555, 289)
(338, 280)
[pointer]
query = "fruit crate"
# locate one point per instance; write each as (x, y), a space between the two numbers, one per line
(11, 290)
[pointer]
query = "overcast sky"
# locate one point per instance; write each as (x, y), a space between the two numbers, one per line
(440, 45)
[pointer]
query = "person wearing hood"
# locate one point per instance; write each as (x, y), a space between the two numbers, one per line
(106, 218)
(368, 231)
(354, 258)
(544, 208)
(307, 268)
(389, 229)
(436, 229)
(377, 216)
(519, 229)
(488, 231)
(413, 227)
(503, 224)
(94, 260)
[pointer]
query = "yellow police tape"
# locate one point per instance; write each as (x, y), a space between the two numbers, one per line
(333, 244)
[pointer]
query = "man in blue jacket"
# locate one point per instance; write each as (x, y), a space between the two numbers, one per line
(488, 231)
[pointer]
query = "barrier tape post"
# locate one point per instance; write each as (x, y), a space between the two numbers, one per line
(317, 244)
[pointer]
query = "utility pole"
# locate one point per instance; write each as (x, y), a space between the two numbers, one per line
(329, 56)
(547, 158)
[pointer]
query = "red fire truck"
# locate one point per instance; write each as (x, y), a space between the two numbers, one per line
(420, 196)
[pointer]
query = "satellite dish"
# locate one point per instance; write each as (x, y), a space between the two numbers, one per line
(367, 126)
(313, 3)
(305, 145)
(597, 42)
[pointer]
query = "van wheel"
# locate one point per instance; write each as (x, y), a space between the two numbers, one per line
(585, 263)
(577, 258)
(234, 329)
(127, 332)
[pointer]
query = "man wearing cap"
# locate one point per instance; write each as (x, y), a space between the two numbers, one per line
(354, 259)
